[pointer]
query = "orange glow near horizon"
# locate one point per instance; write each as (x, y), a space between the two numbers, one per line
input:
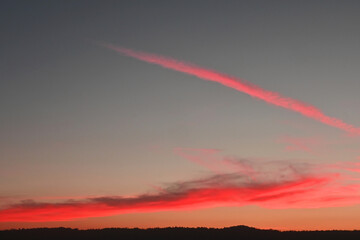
(283, 219)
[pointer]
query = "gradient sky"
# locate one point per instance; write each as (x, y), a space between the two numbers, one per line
(84, 124)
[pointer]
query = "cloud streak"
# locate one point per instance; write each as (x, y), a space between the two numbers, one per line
(218, 190)
(239, 85)
(311, 145)
(274, 184)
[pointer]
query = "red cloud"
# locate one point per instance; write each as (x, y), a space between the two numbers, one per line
(189, 195)
(275, 184)
(239, 85)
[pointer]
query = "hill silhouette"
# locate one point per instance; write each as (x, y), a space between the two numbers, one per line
(173, 233)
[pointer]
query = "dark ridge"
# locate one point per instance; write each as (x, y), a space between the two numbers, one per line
(172, 233)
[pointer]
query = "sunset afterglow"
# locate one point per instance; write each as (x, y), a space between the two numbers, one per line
(196, 114)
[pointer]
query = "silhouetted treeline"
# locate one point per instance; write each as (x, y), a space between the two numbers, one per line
(176, 233)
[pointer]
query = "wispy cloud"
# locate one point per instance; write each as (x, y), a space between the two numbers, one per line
(271, 184)
(239, 85)
(306, 144)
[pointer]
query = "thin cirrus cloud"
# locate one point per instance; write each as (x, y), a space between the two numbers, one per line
(272, 184)
(305, 144)
(239, 85)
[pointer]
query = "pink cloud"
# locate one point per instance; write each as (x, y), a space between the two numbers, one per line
(305, 144)
(272, 184)
(239, 85)
(220, 190)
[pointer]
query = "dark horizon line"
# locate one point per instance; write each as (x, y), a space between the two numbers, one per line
(235, 227)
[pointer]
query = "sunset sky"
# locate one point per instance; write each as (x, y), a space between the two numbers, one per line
(180, 113)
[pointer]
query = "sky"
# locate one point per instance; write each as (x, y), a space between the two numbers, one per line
(180, 113)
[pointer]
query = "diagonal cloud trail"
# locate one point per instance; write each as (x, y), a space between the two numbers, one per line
(239, 85)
